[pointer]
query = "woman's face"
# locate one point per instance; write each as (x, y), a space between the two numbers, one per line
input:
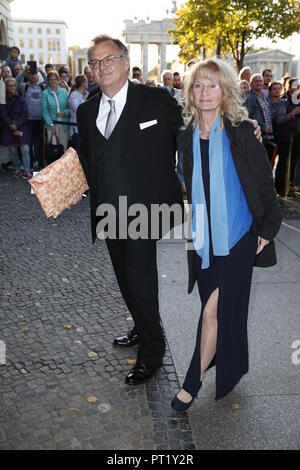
(11, 88)
(208, 94)
(246, 75)
(53, 82)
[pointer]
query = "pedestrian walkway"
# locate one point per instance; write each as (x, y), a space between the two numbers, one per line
(263, 411)
(63, 383)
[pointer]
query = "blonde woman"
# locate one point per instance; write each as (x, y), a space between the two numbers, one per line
(227, 176)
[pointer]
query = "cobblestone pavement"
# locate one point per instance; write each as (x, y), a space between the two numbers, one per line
(59, 303)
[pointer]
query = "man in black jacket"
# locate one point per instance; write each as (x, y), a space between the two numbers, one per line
(127, 133)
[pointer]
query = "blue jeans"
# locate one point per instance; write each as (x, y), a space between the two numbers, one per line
(25, 150)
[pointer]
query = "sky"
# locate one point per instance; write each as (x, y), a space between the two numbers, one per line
(106, 17)
(99, 16)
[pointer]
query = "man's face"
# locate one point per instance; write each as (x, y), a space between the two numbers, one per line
(64, 76)
(11, 88)
(276, 91)
(177, 81)
(33, 78)
(89, 74)
(168, 80)
(5, 72)
(267, 78)
(14, 54)
(112, 76)
(137, 74)
(17, 69)
(257, 83)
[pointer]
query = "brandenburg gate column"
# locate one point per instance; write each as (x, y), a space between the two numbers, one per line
(145, 60)
(163, 58)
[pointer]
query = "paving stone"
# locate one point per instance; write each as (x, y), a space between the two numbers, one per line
(48, 377)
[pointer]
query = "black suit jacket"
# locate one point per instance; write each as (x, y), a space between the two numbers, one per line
(256, 179)
(147, 157)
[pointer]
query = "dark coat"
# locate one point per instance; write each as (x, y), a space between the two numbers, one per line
(14, 111)
(255, 110)
(256, 179)
(146, 169)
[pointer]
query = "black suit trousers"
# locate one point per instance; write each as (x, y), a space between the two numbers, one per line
(135, 266)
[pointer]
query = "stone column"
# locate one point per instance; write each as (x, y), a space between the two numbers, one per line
(145, 60)
(163, 58)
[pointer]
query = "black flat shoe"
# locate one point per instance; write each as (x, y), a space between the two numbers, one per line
(127, 341)
(141, 373)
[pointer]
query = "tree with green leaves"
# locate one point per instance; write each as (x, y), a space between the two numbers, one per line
(232, 26)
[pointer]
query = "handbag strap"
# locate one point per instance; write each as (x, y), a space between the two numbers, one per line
(57, 140)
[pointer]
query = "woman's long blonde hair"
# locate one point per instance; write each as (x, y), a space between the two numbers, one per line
(215, 69)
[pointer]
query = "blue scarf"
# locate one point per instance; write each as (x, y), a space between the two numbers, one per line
(229, 213)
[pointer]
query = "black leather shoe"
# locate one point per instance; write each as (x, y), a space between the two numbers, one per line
(140, 374)
(127, 340)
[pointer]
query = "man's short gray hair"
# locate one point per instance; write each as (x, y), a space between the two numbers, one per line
(104, 38)
(255, 76)
(164, 72)
(10, 79)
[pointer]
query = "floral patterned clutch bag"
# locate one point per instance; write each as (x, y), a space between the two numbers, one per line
(60, 185)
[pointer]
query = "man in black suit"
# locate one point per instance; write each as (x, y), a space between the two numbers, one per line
(127, 133)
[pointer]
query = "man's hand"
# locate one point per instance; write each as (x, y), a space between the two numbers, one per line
(257, 129)
(13, 127)
(262, 243)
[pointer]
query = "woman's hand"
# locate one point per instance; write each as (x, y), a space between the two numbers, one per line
(262, 243)
(257, 129)
(53, 130)
(61, 114)
(13, 127)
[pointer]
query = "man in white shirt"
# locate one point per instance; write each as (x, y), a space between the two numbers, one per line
(127, 133)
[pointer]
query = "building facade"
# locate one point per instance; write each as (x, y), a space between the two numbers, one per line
(278, 61)
(43, 41)
(6, 29)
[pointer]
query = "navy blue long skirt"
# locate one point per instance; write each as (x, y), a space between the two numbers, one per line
(232, 274)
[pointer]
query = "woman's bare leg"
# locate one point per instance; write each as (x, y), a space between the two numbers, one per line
(208, 339)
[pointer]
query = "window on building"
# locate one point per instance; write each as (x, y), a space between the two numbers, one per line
(21, 30)
(50, 59)
(54, 45)
(23, 58)
(21, 43)
(59, 59)
(58, 45)
(39, 31)
(49, 45)
(41, 59)
(30, 44)
(31, 57)
(30, 30)
(40, 44)
(49, 31)
(58, 31)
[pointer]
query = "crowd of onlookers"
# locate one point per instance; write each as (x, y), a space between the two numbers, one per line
(33, 101)
(275, 104)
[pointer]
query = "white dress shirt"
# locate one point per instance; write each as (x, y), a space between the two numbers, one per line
(120, 100)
